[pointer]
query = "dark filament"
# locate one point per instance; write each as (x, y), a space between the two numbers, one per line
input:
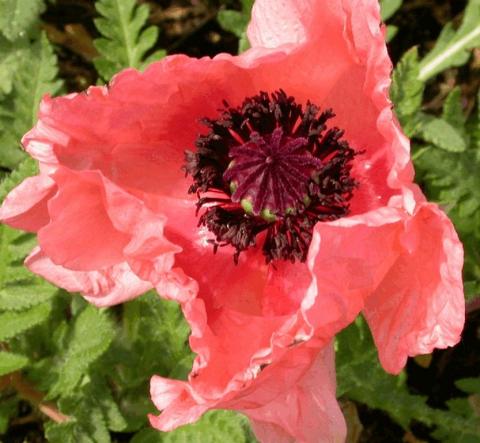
(269, 170)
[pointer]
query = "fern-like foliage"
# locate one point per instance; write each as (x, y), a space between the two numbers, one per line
(126, 39)
(18, 16)
(37, 75)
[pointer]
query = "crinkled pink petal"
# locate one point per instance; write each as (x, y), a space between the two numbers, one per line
(307, 412)
(103, 226)
(292, 400)
(419, 305)
(80, 235)
(26, 206)
(106, 287)
(276, 23)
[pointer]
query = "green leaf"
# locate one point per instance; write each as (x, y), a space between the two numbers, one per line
(453, 110)
(14, 323)
(92, 334)
(361, 378)
(125, 38)
(389, 7)
(18, 16)
(26, 168)
(236, 22)
(21, 296)
(391, 32)
(12, 56)
(36, 77)
(453, 47)
(441, 134)
(10, 362)
(462, 409)
(233, 21)
(407, 90)
(93, 413)
(213, 427)
(66, 432)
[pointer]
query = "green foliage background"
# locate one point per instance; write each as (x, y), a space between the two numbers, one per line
(94, 365)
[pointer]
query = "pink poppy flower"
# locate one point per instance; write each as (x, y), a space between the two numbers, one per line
(290, 220)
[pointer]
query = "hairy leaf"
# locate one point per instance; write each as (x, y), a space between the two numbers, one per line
(14, 323)
(213, 427)
(125, 37)
(453, 46)
(441, 134)
(18, 16)
(21, 296)
(407, 91)
(453, 112)
(12, 56)
(26, 168)
(462, 409)
(36, 77)
(92, 334)
(361, 378)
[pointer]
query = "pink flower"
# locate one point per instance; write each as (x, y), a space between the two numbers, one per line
(322, 223)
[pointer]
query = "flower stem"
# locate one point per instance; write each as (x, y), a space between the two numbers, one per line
(28, 392)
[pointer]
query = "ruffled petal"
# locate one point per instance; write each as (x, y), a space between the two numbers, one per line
(26, 206)
(307, 412)
(103, 226)
(105, 287)
(292, 400)
(419, 305)
(80, 235)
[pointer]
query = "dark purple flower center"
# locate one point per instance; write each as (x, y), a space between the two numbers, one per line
(269, 171)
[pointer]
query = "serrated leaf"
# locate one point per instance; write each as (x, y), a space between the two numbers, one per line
(213, 427)
(39, 77)
(441, 134)
(361, 378)
(453, 109)
(93, 413)
(12, 56)
(22, 246)
(22, 296)
(407, 91)
(125, 38)
(10, 362)
(66, 432)
(26, 168)
(92, 334)
(453, 47)
(35, 77)
(14, 323)
(17, 16)
(389, 7)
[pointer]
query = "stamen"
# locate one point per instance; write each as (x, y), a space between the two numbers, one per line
(270, 166)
